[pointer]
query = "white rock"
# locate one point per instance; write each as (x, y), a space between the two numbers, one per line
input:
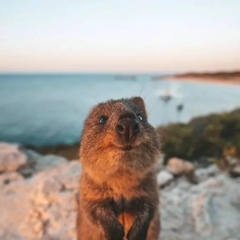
(164, 178)
(210, 210)
(8, 177)
(11, 158)
(213, 170)
(45, 206)
(203, 174)
(235, 171)
(40, 162)
(47, 202)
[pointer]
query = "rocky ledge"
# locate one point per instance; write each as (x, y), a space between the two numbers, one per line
(38, 199)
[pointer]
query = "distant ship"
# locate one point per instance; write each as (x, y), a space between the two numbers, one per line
(171, 92)
(165, 96)
(126, 77)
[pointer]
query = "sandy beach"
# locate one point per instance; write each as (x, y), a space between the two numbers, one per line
(216, 77)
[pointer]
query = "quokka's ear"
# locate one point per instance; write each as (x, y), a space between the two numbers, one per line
(138, 101)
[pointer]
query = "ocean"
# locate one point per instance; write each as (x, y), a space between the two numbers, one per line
(49, 109)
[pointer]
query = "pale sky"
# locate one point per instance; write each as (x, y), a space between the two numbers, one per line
(119, 35)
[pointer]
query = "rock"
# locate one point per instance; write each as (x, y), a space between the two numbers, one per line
(203, 174)
(11, 158)
(232, 161)
(209, 210)
(47, 202)
(179, 166)
(212, 170)
(233, 165)
(38, 162)
(235, 171)
(25, 162)
(44, 206)
(8, 177)
(164, 178)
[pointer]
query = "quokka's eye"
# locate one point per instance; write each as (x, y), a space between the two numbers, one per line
(140, 117)
(103, 119)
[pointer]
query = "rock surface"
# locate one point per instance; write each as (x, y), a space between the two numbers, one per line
(39, 163)
(164, 178)
(43, 206)
(233, 165)
(178, 166)
(202, 174)
(11, 158)
(7, 177)
(209, 210)
(47, 202)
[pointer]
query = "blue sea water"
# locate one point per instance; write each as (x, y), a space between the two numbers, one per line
(48, 109)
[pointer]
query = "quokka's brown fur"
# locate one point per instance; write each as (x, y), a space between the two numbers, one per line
(118, 188)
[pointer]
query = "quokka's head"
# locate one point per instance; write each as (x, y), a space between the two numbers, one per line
(117, 134)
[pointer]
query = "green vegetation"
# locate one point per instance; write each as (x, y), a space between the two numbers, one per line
(215, 136)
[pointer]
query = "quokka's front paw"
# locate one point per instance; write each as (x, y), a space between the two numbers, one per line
(137, 234)
(115, 232)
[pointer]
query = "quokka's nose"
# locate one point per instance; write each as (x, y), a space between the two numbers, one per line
(128, 127)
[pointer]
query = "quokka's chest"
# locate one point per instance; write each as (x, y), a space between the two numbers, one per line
(125, 212)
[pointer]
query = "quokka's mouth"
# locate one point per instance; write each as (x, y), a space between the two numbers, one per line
(127, 148)
(124, 147)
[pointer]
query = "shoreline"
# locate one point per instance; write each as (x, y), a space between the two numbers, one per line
(206, 80)
(69, 151)
(216, 77)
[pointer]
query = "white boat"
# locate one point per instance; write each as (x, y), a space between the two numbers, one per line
(165, 96)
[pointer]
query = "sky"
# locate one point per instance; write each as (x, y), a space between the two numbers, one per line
(119, 36)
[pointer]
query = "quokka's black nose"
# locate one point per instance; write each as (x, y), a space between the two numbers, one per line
(128, 127)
